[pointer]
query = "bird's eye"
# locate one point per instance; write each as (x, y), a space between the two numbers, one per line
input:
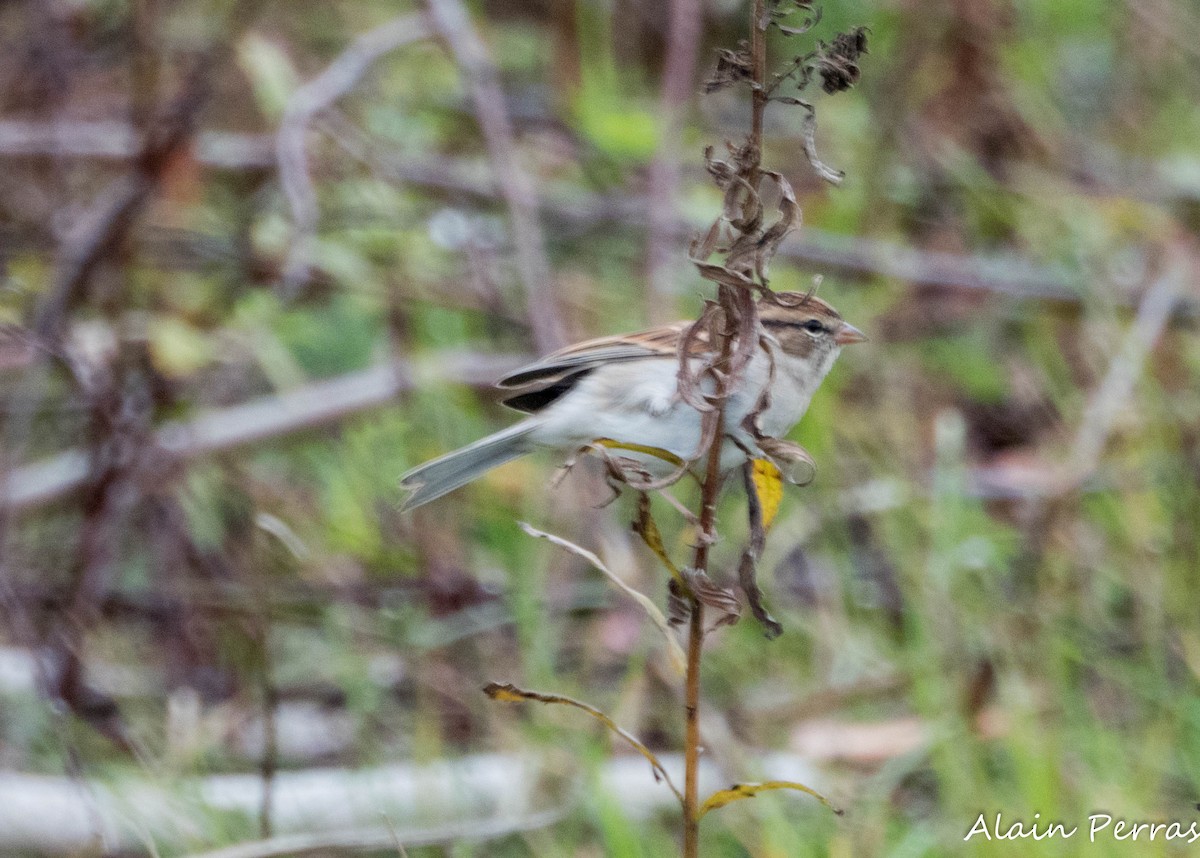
(814, 326)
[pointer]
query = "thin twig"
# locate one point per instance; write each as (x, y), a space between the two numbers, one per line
(35, 485)
(1115, 391)
(320, 93)
(691, 783)
(830, 252)
(451, 21)
(725, 372)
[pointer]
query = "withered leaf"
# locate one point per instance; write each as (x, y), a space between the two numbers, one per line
(737, 792)
(732, 66)
(689, 373)
(796, 463)
(809, 22)
(721, 274)
(679, 609)
(646, 527)
(748, 578)
(748, 565)
(674, 650)
(838, 62)
(509, 693)
(712, 595)
(789, 219)
(834, 177)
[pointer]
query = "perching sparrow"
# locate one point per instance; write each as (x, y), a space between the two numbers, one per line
(624, 389)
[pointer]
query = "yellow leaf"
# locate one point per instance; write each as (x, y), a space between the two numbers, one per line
(737, 792)
(656, 452)
(645, 527)
(768, 483)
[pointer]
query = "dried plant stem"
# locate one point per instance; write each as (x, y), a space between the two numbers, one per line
(691, 788)
(704, 538)
(712, 477)
(758, 91)
(452, 22)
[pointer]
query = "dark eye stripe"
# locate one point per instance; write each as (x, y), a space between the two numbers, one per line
(804, 326)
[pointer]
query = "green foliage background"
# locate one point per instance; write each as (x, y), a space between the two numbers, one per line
(999, 649)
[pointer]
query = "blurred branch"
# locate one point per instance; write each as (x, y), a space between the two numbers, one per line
(453, 25)
(342, 75)
(116, 420)
(95, 234)
(484, 796)
(331, 809)
(663, 239)
(1116, 390)
(317, 404)
(386, 838)
(831, 253)
(120, 141)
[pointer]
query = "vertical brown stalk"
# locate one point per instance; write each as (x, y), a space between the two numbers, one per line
(691, 783)
(758, 91)
(712, 477)
(708, 510)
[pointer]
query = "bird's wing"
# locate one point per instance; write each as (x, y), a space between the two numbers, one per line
(574, 360)
(544, 381)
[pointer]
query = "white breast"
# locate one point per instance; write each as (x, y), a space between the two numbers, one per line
(637, 402)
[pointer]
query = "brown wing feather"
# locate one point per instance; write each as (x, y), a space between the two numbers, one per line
(581, 357)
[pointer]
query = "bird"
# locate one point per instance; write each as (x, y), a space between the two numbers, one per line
(624, 390)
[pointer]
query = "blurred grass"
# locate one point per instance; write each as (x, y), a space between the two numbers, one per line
(1082, 611)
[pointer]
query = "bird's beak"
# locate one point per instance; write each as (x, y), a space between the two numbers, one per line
(849, 335)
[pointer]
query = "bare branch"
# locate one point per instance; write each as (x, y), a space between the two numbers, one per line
(453, 25)
(320, 93)
(830, 252)
(1115, 391)
(317, 404)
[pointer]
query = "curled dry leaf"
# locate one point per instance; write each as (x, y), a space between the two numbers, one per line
(709, 593)
(808, 24)
(690, 370)
(751, 422)
(646, 449)
(742, 253)
(732, 66)
(748, 565)
(702, 248)
(679, 609)
(674, 650)
(741, 310)
(748, 578)
(838, 62)
(834, 177)
(622, 471)
(789, 219)
(796, 463)
(725, 276)
(508, 693)
(737, 792)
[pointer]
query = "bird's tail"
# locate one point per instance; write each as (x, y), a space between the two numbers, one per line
(433, 479)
